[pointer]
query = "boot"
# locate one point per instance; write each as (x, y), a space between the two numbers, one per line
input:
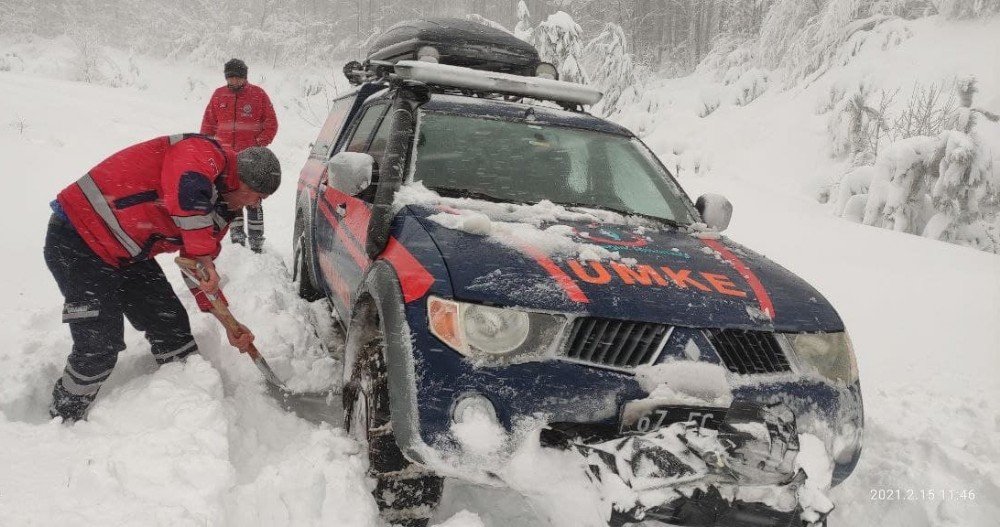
(256, 243)
(69, 406)
(237, 235)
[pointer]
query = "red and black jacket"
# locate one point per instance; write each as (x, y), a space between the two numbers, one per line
(154, 197)
(240, 119)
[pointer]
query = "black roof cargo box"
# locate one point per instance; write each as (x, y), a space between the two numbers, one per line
(459, 43)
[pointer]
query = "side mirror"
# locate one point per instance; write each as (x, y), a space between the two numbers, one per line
(716, 210)
(350, 172)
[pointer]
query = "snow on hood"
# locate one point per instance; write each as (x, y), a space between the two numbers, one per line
(517, 225)
(546, 256)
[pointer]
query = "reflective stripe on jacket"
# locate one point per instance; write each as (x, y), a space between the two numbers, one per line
(240, 119)
(154, 197)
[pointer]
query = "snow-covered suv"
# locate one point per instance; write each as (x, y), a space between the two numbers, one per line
(512, 275)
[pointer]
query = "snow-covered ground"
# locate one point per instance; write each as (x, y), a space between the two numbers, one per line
(922, 314)
(203, 444)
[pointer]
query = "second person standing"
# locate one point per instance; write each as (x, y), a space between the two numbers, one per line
(240, 115)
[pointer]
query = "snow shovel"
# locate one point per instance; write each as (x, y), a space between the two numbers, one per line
(194, 271)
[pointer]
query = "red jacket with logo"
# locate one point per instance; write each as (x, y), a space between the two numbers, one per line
(154, 197)
(240, 119)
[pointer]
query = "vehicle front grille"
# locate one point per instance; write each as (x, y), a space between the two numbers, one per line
(747, 352)
(617, 343)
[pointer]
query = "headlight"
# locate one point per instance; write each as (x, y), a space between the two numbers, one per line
(831, 354)
(493, 330)
(492, 333)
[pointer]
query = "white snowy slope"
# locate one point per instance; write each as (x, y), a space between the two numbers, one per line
(203, 444)
(922, 314)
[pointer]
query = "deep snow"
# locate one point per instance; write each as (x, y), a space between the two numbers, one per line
(203, 444)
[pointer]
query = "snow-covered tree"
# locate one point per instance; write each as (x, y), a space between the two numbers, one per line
(523, 29)
(966, 8)
(944, 186)
(898, 197)
(806, 38)
(559, 41)
(612, 69)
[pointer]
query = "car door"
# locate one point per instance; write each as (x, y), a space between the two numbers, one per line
(343, 259)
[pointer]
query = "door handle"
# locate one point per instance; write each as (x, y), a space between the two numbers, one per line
(342, 209)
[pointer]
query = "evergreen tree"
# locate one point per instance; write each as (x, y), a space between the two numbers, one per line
(558, 40)
(613, 70)
(523, 29)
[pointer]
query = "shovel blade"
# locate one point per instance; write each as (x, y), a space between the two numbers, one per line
(268, 373)
(315, 407)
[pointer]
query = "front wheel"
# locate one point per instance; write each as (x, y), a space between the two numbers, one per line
(406, 494)
(300, 260)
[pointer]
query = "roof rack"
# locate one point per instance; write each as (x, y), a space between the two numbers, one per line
(496, 83)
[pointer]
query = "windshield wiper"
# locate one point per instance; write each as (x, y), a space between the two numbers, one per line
(452, 192)
(671, 223)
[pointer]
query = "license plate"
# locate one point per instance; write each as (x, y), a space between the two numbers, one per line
(640, 417)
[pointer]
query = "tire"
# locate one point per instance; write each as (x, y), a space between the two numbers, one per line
(406, 494)
(301, 255)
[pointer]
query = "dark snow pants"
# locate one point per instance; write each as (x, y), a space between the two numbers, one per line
(255, 227)
(98, 296)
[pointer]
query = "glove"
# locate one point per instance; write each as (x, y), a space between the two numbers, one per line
(204, 304)
(243, 340)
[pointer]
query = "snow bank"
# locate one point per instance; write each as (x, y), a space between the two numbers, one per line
(198, 443)
(289, 338)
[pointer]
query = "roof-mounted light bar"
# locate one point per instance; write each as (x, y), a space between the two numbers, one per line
(488, 81)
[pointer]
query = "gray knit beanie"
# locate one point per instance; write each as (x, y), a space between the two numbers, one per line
(258, 167)
(235, 68)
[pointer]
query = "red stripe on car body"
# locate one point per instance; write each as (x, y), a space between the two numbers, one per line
(357, 221)
(570, 287)
(334, 279)
(414, 279)
(359, 257)
(763, 299)
(357, 216)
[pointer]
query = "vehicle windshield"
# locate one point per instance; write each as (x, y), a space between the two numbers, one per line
(522, 162)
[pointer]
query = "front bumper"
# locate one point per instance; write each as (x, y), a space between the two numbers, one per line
(431, 378)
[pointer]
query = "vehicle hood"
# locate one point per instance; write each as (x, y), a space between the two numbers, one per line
(634, 269)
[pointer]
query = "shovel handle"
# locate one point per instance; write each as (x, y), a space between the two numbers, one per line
(194, 271)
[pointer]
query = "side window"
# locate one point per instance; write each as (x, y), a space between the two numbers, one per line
(359, 140)
(381, 139)
(376, 150)
(331, 127)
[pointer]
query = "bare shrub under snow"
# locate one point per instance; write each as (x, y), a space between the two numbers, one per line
(943, 183)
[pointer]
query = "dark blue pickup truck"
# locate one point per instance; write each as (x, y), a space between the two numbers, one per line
(492, 249)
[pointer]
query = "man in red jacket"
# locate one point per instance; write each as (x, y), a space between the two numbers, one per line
(171, 193)
(240, 115)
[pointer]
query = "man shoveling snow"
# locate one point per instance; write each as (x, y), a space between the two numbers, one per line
(167, 194)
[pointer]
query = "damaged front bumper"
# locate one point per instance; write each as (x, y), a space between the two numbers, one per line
(742, 472)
